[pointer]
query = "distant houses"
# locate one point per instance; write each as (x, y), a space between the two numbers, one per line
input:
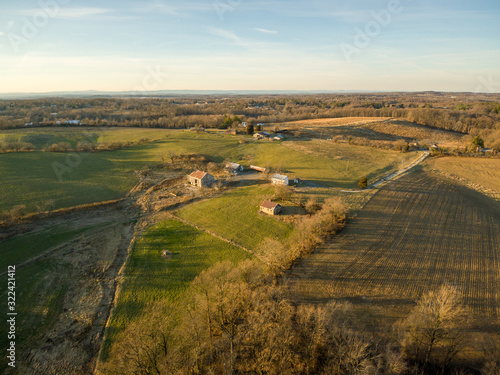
(266, 135)
(270, 208)
(279, 179)
(261, 135)
(483, 150)
(201, 179)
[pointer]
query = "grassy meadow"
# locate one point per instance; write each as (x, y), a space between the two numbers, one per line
(481, 174)
(19, 249)
(44, 137)
(235, 216)
(40, 285)
(151, 278)
(43, 180)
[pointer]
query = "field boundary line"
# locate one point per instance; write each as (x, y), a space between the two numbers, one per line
(394, 175)
(75, 239)
(231, 242)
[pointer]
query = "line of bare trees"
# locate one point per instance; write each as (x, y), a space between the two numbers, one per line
(465, 113)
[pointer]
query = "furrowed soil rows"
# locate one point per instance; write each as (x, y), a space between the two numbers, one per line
(414, 235)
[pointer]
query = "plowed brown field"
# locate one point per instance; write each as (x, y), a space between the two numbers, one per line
(415, 234)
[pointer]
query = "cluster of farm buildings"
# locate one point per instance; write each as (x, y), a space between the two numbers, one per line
(203, 179)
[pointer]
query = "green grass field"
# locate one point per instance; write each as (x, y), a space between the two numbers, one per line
(40, 285)
(338, 165)
(150, 278)
(19, 249)
(32, 178)
(236, 216)
(43, 137)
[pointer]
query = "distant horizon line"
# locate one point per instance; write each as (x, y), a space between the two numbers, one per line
(136, 93)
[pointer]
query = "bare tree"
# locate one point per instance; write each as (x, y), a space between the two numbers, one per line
(434, 332)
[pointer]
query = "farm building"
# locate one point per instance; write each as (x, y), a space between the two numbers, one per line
(279, 179)
(270, 208)
(414, 146)
(278, 137)
(234, 168)
(485, 150)
(258, 169)
(261, 135)
(201, 179)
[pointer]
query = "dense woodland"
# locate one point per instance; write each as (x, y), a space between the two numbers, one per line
(474, 114)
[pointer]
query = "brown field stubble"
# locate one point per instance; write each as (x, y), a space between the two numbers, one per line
(414, 235)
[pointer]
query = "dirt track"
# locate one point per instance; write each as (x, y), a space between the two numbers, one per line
(415, 234)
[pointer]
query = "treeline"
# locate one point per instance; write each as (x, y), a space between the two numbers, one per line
(237, 320)
(465, 113)
(19, 146)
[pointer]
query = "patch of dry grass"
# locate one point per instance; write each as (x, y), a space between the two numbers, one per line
(334, 121)
(480, 174)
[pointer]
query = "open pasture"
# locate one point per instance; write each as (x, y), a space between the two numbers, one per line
(482, 174)
(326, 122)
(415, 234)
(32, 179)
(377, 129)
(235, 216)
(44, 137)
(150, 278)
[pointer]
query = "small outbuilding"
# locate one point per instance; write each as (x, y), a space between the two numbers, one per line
(234, 168)
(414, 146)
(279, 179)
(201, 179)
(270, 208)
(258, 169)
(261, 135)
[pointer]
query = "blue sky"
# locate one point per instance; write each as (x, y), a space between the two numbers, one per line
(391, 45)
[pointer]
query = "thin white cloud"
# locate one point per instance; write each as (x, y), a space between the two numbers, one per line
(83, 12)
(158, 7)
(179, 9)
(80, 12)
(226, 34)
(265, 31)
(2, 33)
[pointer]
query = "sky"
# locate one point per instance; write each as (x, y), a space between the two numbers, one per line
(311, 45)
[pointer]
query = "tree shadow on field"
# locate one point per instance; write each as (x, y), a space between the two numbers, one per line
(292, 211)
